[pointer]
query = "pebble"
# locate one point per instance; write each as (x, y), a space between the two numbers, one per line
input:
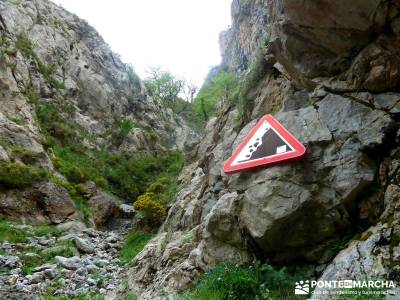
(101, 262)
(44, 267)
(112, 239)
(91, 232)
(15, 271)
(82, 271)
(50, 273)
(83, 245)
(67, 237)
(37, 277)
(10, 261)
(92, 268)
(11, 280)
(91, 281)
(70, 263)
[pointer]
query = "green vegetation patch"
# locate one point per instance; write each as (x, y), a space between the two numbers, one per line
(120, 130)
(135, 241)
(234, 282)
(63, 248)
(33, 257)
(11, 234)
(222, 88)
(26, 156)
(14, 175)
(127, 177)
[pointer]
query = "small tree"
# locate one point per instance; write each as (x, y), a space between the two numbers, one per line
(164, 86)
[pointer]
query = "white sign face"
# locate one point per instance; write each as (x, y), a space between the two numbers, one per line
(266, 142)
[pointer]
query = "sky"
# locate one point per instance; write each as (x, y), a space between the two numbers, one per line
(180, 36)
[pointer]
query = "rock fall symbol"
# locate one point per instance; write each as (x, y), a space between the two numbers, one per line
(267, 143)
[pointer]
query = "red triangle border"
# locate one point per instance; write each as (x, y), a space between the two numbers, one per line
(299, 149)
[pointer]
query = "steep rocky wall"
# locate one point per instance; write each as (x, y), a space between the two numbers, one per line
(331, 78)
(51, 58)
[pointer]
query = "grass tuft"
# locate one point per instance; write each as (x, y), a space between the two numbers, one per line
(135, 241)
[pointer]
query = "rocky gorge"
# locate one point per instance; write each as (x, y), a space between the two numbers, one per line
(329, 71)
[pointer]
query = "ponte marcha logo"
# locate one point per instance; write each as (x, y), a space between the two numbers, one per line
(302, 287)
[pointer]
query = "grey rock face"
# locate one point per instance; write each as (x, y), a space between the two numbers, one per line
(376, 252)
(295, 210)
(44, 203)
(308, 34)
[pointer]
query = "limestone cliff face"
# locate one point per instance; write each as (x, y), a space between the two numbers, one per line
(240, 42)
(330, 75)
(52, 58)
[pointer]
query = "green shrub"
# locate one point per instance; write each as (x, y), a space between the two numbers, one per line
(31, 94)
(14, 175)
(26, 156)
(234, 282)
(25, 46)
(56, 129)
(74, 174)
(19, 121)
(120, 130)
(133, 244)
(54, 83)
(80, 189)
(158, 186)
(45, 70)
(151, 211)
(82, 206)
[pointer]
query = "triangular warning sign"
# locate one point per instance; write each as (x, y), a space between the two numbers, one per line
(267, 143)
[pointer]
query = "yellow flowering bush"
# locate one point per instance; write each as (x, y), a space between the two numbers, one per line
(152, 212)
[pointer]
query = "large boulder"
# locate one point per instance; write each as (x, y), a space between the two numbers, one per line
(44, 203)
(103, 207)
(319, 38)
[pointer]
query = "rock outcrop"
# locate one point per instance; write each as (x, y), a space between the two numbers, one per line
(330, 76)
(55, 68)
(44, 203)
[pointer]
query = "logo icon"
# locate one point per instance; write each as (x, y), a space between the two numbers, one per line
(302, 287)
